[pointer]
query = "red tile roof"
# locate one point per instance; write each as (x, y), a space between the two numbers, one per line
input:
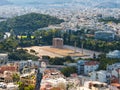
(7, 68)
(118, 70)
(114, 79)
(89, 63)
(115, 84)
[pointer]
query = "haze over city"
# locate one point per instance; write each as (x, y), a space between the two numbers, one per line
(86, 3)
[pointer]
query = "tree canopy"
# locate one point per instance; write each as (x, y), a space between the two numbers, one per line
(69, 70)
(28, 22)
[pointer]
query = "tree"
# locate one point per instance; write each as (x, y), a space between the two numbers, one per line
(1, 35)
(32, 51)
(104, 61)
(68, 59)
(16, 77)
(69, 70)
(21, 55)
(29, 22)
(21, 85)
(29, 87)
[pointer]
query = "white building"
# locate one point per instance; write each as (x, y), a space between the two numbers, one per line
(27, 64)
(94, 85)
(3, 58)
(7, 35)
(101, 76)
(91, 66)
(115, 73)
(114, 54)
(12, 86)
(85, 67)
(49, 84)
(105, 35)
(114, 69)
(80, 66)
(113, 66)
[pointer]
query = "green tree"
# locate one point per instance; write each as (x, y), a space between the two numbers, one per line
(1, 35)
(21, 85)
(32, 51)
(69, 70)
(28, 22)
(21, 55)
(29, 87)
(16, 77)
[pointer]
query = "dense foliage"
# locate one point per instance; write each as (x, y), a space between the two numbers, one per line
(67, 71)
(45, 38)
(1, 35)
(28, 22)
(60, 61)
(22, 86)
(8, 45)
(16, 77)
(106, 61)
(21, 55)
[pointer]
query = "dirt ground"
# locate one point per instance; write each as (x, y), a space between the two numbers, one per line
(53, 52)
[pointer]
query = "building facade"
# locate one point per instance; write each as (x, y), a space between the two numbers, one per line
(114, 54)
(105, 35)
(101, 76)
(3, 58)
(85, 67)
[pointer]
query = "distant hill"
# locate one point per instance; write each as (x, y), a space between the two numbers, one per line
(28, 22)
(5, 2)
(86, 3)
(108, 5)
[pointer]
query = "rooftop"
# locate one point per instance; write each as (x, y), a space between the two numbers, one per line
(3, 54)
(7, 68)
(57, 38)
(104, 31)
(116, 85)
(91, 63)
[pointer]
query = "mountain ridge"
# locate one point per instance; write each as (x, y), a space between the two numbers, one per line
(86, 3)
(108, 5)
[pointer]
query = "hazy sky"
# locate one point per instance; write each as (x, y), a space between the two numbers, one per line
(52, 1)
(37, 0)
(80, 2)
